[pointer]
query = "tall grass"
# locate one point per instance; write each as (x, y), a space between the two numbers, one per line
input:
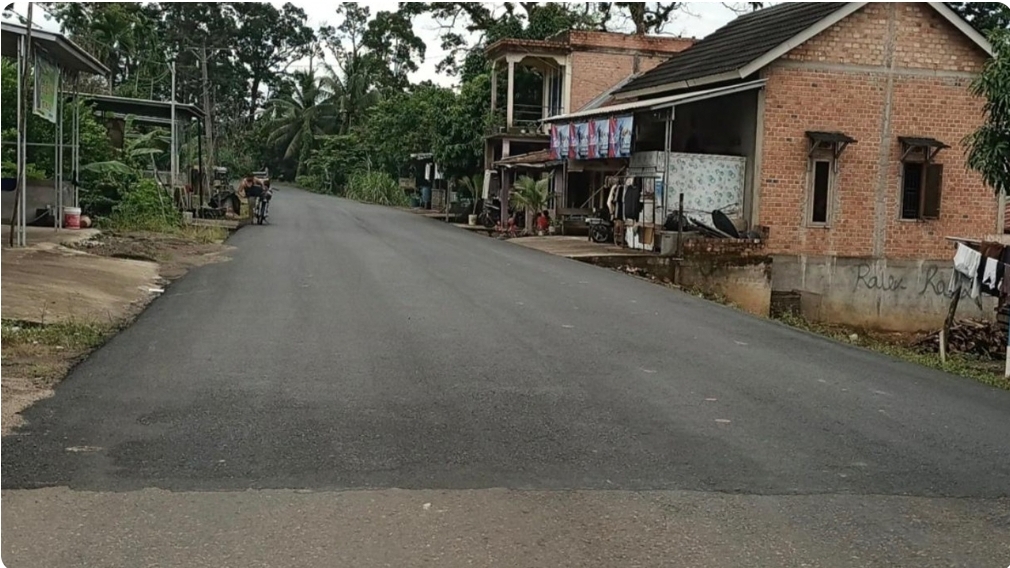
(375, 187)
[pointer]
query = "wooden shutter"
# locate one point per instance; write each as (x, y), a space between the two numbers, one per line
(932, 191)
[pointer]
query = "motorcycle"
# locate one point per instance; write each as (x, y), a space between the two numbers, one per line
(263, 205)
(490, 214)
(601, 228)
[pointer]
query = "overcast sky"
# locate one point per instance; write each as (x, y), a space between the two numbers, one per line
(697, 20)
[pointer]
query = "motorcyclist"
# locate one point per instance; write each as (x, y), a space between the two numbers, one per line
(253, 188)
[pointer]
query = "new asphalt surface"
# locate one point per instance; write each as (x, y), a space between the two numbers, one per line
(362, 386)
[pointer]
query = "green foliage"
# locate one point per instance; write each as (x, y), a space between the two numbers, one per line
(375, 187)
(474, 186)
(989, 146)
(984, 16)
(459, 142)
(311, 183)
(403, 124)
(531, 195)
(145, 206)
(335, 160)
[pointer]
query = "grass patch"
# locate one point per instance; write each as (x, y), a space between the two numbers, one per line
(68, 335)
(203, 234)
(985, 371)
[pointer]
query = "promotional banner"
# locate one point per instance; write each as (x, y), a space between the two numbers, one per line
(572, 143)
(621, 128)
(600, 132)
(47, 88)
(563, 132)
(555, 142)
(599, 138)
(582, 137)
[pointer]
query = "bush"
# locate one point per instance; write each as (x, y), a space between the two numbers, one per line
(311, 183)
(375, 187)
(145, 206)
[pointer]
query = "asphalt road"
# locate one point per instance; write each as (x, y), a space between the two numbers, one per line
(360, 386)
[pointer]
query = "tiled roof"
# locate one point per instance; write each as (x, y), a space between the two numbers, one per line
(737, 44)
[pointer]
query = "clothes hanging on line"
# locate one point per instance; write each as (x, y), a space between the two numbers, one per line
(966, 260)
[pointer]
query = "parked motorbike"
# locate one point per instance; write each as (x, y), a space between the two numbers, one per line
(490, 214)
(601, 228)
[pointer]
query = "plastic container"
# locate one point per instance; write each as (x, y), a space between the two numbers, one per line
(72, 217)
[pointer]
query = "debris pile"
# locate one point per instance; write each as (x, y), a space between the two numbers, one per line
(981, 338)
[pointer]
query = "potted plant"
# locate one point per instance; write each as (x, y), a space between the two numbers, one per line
(474, 184)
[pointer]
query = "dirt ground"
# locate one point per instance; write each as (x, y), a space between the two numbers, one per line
(61, 300)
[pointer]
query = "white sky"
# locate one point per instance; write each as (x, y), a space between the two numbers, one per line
(697, 20)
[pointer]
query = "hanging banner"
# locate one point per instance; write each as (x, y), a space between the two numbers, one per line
(600, 132)
(555, 143)
(620, 136)
(582, 136)
(563, 132)
(573, 142)
(47, 89)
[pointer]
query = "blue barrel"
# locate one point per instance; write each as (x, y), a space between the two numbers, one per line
(426, 196)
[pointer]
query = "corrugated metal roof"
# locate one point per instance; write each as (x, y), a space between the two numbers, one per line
(660, 102)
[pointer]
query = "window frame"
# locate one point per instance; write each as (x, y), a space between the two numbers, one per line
(812, 189)
(928, 171)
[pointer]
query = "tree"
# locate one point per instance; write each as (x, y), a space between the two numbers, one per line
(404, 123)
(459, 141)
(645, 17)
(297, 120)
(984, 16)
(268, 39)
(989, 146)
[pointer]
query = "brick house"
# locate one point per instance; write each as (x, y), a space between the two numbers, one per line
(848, 118)
(577, 69)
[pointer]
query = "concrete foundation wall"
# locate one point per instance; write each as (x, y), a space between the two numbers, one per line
(896, 295)
(39, 195)
(743, 281)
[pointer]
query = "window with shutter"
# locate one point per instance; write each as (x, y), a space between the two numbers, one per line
(932, 191)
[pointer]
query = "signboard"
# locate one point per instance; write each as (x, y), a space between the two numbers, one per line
(47, 89)
(601, 138)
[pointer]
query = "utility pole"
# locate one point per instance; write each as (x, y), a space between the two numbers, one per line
(174, 155)
(208, 127)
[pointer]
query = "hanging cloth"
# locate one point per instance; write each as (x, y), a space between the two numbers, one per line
(966, 270)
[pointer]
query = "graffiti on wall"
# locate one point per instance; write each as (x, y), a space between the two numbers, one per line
(935, 283)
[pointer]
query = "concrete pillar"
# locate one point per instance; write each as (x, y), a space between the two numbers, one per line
(494, 85)
(511, 94)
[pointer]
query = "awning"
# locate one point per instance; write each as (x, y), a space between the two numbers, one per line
(830, 137)
(538, 159)
(930, 146)
(659, 103)
(142, 109)
(61, 51)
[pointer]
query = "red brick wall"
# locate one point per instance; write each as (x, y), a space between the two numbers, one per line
(640, 43)
(830, 83)
(601, 60)
(594, 72)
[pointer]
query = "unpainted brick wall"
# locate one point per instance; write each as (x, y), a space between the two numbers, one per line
(601, 60)
(838, 81)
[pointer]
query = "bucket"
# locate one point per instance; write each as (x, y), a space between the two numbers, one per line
(72, 217)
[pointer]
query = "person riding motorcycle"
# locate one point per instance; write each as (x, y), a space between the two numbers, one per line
(254, 188)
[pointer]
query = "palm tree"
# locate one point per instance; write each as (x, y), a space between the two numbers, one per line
(475, 185)
(298, 118)
(531, 195)
(351, 91)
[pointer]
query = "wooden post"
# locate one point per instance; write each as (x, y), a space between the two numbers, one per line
(949, 321)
